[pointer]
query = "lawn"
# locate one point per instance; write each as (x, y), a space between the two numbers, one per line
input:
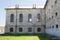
(25, 37)
(19, 38)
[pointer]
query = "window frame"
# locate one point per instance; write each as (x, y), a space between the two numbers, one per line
(56, 14)
(20, 17)
(29, 17)
(11, 29)
(38, 29)
(56, 25)
(20, 29)
(29, 29)
(38, 17)
(12, 18)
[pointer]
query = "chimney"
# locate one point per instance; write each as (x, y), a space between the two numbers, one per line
(16, 6)
(34, 5)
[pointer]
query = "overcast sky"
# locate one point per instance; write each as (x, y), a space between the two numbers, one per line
(6, 3)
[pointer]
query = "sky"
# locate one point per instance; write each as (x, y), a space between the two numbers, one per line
(6, 3)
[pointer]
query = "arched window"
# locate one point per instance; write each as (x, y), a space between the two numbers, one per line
(21, 18)
(29, 17)
(56, 14)
(38, 29)
(38, 17)
(55, 1)
(56, 25)
(12, 18)
(52, 26)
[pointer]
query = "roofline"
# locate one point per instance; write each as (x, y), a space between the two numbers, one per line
(24, 7)
(45, 4)
(21, 8)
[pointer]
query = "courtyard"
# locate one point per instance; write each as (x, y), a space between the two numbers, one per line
(26, 37)
(19, 38)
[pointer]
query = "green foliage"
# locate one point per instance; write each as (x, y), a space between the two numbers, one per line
(25, 35)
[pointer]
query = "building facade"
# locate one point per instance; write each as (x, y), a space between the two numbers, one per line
(25, 20)
(2, 29)
(34, 19)
(53, 17)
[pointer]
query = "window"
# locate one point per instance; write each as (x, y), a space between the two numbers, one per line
(49, 26)
(29, 17)
(44, 26)
(11, 29)
(52, 6)
(12, 18)
(21, 18)
(20, 29)
(56, 13)
(38, 17)
(56, 26)
(53, 26)
(52, 17)
(29, 29)
(39, 29)
(55, 1)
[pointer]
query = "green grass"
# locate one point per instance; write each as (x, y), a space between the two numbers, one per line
(25, 37)
(19, 38)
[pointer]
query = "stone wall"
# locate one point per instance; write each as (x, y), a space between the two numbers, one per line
(25, 24)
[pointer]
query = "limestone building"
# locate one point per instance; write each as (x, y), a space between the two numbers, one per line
(2, 29)
(53, 17)
(25, 19)
(33, 19)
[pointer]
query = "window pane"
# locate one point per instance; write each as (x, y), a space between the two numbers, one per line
(56, 26)
(56, 13)
(20, 29)
(29, 29)
(53, 26)
(11, 29)
(29, 17)
(38, 17)
(12, 18)
(38, 29)
(55, 1)
(21, 18)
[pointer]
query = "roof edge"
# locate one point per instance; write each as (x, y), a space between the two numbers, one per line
(46, 4)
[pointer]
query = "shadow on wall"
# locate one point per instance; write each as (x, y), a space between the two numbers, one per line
(54, 32)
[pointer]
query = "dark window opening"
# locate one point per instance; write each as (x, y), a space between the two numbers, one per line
(21, 18)
(39, 29)
(56, 26)
(12, 18)
(52, 17)
(55, 1)
(56, 13)
(29, 17)
(38, 17)
(20, 29)
(29, 29)
(11, 29)
(52, 26)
